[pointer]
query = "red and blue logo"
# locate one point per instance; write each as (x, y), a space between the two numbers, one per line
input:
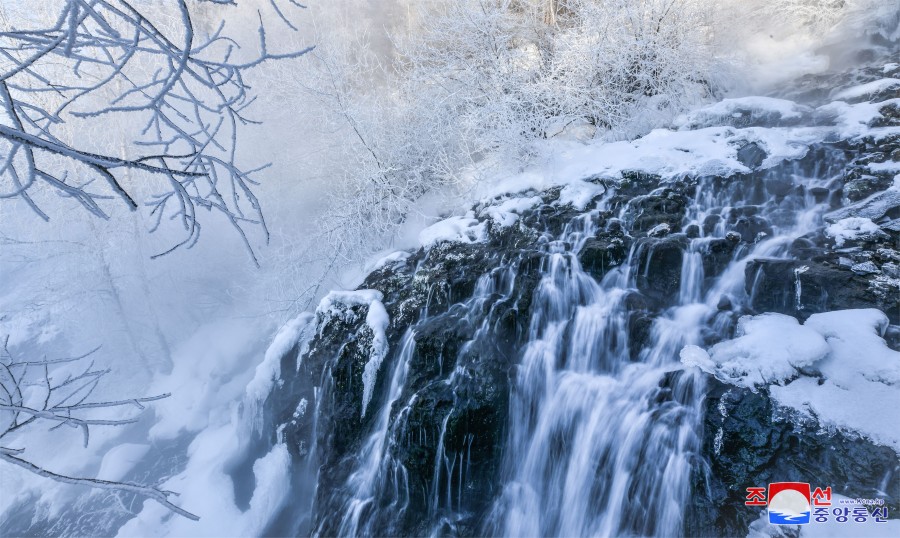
(789, 503)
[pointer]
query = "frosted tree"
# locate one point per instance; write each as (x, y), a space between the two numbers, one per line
(479, 82)
(58, 393)
(71, 69)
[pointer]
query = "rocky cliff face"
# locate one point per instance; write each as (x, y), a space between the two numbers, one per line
(440, 431)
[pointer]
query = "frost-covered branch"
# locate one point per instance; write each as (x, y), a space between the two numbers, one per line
(32, 394)
(74, 70)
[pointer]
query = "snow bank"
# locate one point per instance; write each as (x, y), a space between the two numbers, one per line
(297, 331)
(769, 348)
(205, 487)
(506, 213)
(835, 368)
(395, 257)
(120, 459)
(210, 372)
(334, 305)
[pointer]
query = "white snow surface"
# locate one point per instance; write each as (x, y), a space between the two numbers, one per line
(120, 459)
(335, 303)
(851, 229)
(506, 213)
(835, 368)
(767, 349)
(205, 487)
(297, 330)
(397, 256)
(753, 106)
(868, 89)
(464, 229)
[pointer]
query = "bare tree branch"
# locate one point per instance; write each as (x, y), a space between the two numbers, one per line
(62, 403)
(158, 495)
(99, 59)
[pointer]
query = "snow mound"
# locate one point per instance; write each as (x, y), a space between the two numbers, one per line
(835, 368)
(506, 213)
(743, 111)
(334, 305)
(851, 229)
(768, 348)
(393, 258)
(121, 459)
(465, 229)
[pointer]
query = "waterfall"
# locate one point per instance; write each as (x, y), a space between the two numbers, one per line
(602, 432)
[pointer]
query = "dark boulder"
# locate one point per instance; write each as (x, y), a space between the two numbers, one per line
(748, 441)
(658, 266)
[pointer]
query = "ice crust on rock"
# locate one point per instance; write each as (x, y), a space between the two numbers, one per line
(336, 304)
(753, 109)
(851, 229)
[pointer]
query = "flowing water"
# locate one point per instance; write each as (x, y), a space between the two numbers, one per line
(601, 439)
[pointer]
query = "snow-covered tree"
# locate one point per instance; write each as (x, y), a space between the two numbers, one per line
(479, 81)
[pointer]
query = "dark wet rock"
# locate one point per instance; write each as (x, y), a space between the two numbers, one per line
(819, 194)
(663, 207)
(748, 226)
(710, 223)
(717, 254)
(805, 249)
(659, 266)
(892, 337)
(750, 442)
(780, 185)
(601, 253)
(751, 155)
(873, 207)
(724, 303)
(802, 288)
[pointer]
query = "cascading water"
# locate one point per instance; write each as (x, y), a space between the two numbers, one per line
(602, 438)
(534, 385)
